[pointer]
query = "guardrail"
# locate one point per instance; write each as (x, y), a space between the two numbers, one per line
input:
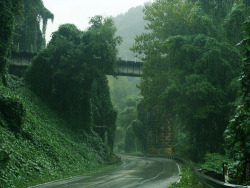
(206, 180)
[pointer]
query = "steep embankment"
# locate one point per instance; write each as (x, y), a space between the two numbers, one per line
(36, 145)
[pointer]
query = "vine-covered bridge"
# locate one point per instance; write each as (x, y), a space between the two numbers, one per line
(159, 134)
(22, 60)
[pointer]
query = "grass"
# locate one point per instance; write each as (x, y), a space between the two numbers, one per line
(46, 148)
(188, 180)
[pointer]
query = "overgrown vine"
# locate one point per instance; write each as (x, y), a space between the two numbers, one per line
(237, 134)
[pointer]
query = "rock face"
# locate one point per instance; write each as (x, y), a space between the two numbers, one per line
(160, 139)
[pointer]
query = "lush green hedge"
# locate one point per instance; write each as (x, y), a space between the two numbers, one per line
(6, 34)
(12, 110)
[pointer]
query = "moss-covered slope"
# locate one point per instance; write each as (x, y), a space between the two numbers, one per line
(36, 145)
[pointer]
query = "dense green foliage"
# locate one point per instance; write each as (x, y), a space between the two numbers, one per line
(8, 9)
(12, 109)
(44, 148)
(130, 146)
(20, 21)
(135, 138)
(122, 88)
(237, 134)
(36, 144)
(190, 70)
(197, 91)
(124, 119)
(214, 161)
(29, 37)
(104, 115)
(70, 75)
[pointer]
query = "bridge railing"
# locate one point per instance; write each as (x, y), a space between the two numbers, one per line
(206, 180)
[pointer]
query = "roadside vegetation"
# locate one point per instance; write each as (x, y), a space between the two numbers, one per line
(187, 180)
(43, 147)
(58, 121)
(190, 75)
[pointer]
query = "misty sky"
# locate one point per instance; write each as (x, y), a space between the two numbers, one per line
(78, 12)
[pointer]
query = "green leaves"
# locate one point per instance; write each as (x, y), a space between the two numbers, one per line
(188, 74)
(237, 133)
(47, 148)
(29, 37)
(67, 68)
(12, 110)
(214, 161)
(188, 179)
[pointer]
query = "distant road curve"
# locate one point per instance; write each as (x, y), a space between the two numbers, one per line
(142, 172)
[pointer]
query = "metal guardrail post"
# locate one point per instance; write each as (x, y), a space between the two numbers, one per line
(225, 172)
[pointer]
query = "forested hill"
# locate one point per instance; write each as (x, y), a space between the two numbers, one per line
(54, 121)
(128, 26)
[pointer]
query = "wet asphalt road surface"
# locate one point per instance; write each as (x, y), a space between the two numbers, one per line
(139, 172)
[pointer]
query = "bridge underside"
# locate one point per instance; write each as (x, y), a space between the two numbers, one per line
(129, 68)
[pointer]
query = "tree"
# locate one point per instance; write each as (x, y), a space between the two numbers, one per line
(188, 77)
(130, 140)
(238, 131)
(168, 18)
(124, 119)
(140, 133)
(122, 88)
(232, 23)
(71, 74)
(8, 10)
(28, 35)
(20, 28)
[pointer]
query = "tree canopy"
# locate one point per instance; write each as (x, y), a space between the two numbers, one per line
(31, 27)
(70, 74)
(237, 133)
(191, 67)
(20, 28)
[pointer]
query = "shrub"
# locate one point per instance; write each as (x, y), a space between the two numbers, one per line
(214, 162)
(11, 109)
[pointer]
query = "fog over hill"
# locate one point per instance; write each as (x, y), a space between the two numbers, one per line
(128, 26)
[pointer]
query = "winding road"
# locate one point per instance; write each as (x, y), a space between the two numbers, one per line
(142, 172)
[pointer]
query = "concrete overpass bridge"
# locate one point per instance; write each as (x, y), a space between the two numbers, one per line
(22, 60)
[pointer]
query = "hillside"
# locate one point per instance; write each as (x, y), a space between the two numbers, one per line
(128, 26)
(67, 126)
(45, 147)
